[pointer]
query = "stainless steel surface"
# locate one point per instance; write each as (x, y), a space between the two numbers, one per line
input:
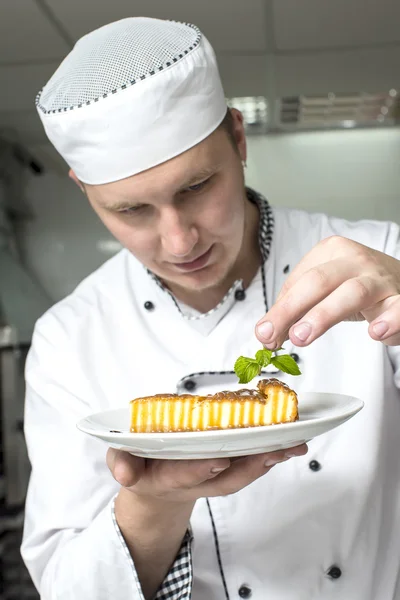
(15, 582)
(22, 301)
(15, 461)
(7, 336)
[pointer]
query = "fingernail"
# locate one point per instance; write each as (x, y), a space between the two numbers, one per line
(265, 330)
(270, 462)
(291, 454)
(380, 329)
(114, 455)
(302, 331)
(216, 470)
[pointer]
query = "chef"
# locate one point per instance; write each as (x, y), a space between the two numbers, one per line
(210, 271)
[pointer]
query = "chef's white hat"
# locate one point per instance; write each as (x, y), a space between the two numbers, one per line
(132, 95)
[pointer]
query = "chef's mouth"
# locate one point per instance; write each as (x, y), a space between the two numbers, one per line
(195, 265)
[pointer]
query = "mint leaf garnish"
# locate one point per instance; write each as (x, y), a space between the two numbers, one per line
(263, 357)
(248, 368)
(286, 363)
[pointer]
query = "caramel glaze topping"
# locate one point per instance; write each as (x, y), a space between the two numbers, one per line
(261, 394)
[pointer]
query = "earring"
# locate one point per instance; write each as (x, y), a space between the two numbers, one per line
(244, 163)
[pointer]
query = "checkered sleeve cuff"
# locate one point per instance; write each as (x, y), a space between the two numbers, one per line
(178, 583)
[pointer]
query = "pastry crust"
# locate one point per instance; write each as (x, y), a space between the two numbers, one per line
(273, 402)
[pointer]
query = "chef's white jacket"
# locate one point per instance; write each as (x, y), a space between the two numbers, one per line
(323, 526)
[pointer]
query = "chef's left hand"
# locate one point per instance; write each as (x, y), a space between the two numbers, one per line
(338, 280)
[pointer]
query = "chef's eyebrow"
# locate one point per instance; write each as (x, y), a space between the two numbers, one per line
(201, 175)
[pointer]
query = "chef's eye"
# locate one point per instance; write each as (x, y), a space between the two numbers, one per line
(131, 210)
(198, 186)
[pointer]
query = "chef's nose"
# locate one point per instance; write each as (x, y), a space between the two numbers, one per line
(178, 236)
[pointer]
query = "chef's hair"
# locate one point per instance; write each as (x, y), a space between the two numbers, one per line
(228, 125)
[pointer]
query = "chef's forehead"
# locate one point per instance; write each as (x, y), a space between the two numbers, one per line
(202, 162)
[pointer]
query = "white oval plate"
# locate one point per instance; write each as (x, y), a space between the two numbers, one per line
(318, 413)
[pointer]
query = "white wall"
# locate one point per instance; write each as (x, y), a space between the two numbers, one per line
(354, 174)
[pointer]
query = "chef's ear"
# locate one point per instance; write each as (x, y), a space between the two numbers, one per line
(74, 178)
(238, 133)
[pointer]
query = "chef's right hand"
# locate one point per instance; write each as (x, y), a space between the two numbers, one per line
(187, 480)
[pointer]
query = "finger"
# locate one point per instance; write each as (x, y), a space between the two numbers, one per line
(315, 285)
(244, 471)
(331, 248)
(125, 468)
(167, 475)
(350, 298)
(386, 327)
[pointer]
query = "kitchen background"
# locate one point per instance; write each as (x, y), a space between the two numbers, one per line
(318, 82)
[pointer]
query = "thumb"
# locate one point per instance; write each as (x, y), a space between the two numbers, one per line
(125, 468)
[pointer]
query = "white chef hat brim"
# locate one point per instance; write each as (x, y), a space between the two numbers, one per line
(142, 125)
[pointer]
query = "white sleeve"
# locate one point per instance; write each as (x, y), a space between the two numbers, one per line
(72, 545)
(392, 247)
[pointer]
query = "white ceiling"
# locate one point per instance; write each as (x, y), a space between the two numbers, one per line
(318, 24)
(265, 47)
(26, 35)
(231, 25)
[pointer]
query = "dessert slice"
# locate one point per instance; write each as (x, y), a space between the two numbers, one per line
(271, 403)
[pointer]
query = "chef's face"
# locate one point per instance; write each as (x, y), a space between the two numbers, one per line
(184, 219)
